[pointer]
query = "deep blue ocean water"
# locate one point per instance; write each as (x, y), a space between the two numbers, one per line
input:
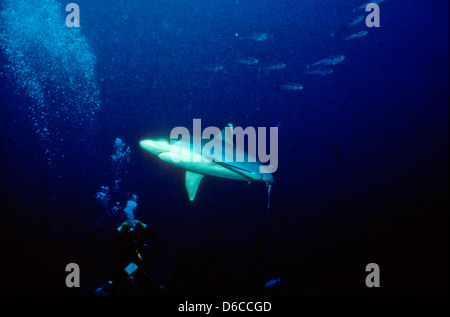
(363, 171)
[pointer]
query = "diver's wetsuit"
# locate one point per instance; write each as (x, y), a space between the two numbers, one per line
(131, 241)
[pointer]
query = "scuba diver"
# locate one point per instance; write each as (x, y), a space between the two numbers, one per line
(130, 236)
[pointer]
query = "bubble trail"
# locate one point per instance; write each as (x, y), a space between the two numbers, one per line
(130, 208)
(51, 64)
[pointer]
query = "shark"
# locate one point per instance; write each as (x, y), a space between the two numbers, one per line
(199, 162)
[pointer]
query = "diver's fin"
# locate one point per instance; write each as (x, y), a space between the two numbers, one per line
(192, 183)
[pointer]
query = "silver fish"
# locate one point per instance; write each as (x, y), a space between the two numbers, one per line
(291, 86)
(356, 21)
(247, 60)
(356, 35)
(320, 71)
(330, 61)
(363, 7)
(214, 68)
(277, 66)
(258, 37)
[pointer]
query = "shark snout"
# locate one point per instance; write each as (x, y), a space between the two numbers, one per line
(155, 146)
(148, 145)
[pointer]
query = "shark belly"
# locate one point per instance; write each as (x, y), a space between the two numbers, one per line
(204, 168)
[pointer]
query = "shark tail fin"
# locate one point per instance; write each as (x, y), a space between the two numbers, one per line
(269, 187)
(192, 183)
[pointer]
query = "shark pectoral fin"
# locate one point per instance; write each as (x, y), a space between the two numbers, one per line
(192, 183)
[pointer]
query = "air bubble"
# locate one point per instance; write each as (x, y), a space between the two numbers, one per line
(48, 59)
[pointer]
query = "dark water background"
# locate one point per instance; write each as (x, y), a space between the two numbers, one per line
(363, 153)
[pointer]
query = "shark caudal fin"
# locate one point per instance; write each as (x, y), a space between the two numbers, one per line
(192, 183)
(269, 187)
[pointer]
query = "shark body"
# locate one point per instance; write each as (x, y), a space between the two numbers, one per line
(199, 163)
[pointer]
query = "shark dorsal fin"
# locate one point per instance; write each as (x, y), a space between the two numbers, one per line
(192, 183)
(223, 132)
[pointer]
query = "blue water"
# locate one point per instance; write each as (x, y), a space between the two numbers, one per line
(363, 152)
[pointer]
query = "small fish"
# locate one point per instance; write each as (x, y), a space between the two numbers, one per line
(247, 60)
(291, 86)
(363, 7)
(272, 283)
(330, 61)
(258, 37)
(356, 35)
(214, 68)
(320, 71)
(277, 66)
(347, 26)
(356, 21)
